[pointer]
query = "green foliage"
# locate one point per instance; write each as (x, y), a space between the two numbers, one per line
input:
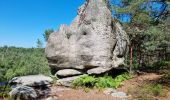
(101, 82)
(131, 6)
(155, 37)
(108, 81)
(85, 81)
(166, 78)
(162, 64)
(47, 34)
(157, 66)
(148, 92)
(21, 61)
(4, 91)
(147, 35)
(158, 90)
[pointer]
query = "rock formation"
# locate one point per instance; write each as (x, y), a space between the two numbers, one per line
(23, 93)
(32, 87)
(94, 43)
(31, 80)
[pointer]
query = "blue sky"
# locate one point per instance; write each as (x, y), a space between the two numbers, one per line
(22, 22)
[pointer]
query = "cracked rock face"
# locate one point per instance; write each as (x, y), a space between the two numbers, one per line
(93, 43)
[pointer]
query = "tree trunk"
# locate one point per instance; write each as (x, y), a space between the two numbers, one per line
(140, 58)
(131, 59)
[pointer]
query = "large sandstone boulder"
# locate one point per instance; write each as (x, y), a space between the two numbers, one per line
(93, 43)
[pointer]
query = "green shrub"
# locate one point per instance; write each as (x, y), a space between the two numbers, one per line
(100, 82)
(108, 81)
(85, 81)
(166, 77)
(161, 64)
(5, 91)
(148, 92)
(158, 90)
(103, 82)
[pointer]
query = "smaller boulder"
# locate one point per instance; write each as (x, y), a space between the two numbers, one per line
(23, 93)
(67, 81)
(68, 72)
(99, 70)
(31, 80)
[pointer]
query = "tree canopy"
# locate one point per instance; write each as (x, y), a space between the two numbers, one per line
(47, 34)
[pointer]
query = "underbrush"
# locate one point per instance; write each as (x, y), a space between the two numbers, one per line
(4, 92)
(148, 92)
(101, 82)
(159, 67)
(166, 77)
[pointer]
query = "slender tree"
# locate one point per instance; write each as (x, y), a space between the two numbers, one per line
(47, 34)
(39, 43)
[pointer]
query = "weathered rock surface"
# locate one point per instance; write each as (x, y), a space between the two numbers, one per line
(68, 72)
(30, 87)
(31, 80)
(23, 93)
(67, 81)
(94, 41)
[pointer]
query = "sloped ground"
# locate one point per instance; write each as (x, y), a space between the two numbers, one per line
(63, 93)
(139, 81)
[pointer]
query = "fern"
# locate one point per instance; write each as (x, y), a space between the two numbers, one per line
(100, 82)
(85, 80)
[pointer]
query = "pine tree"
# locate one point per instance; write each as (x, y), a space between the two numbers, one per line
(146, 34)
(39, 43)
(47, 34)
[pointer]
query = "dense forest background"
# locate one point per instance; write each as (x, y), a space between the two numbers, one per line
(22, 61)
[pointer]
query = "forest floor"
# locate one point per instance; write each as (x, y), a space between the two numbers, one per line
(63, 93)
